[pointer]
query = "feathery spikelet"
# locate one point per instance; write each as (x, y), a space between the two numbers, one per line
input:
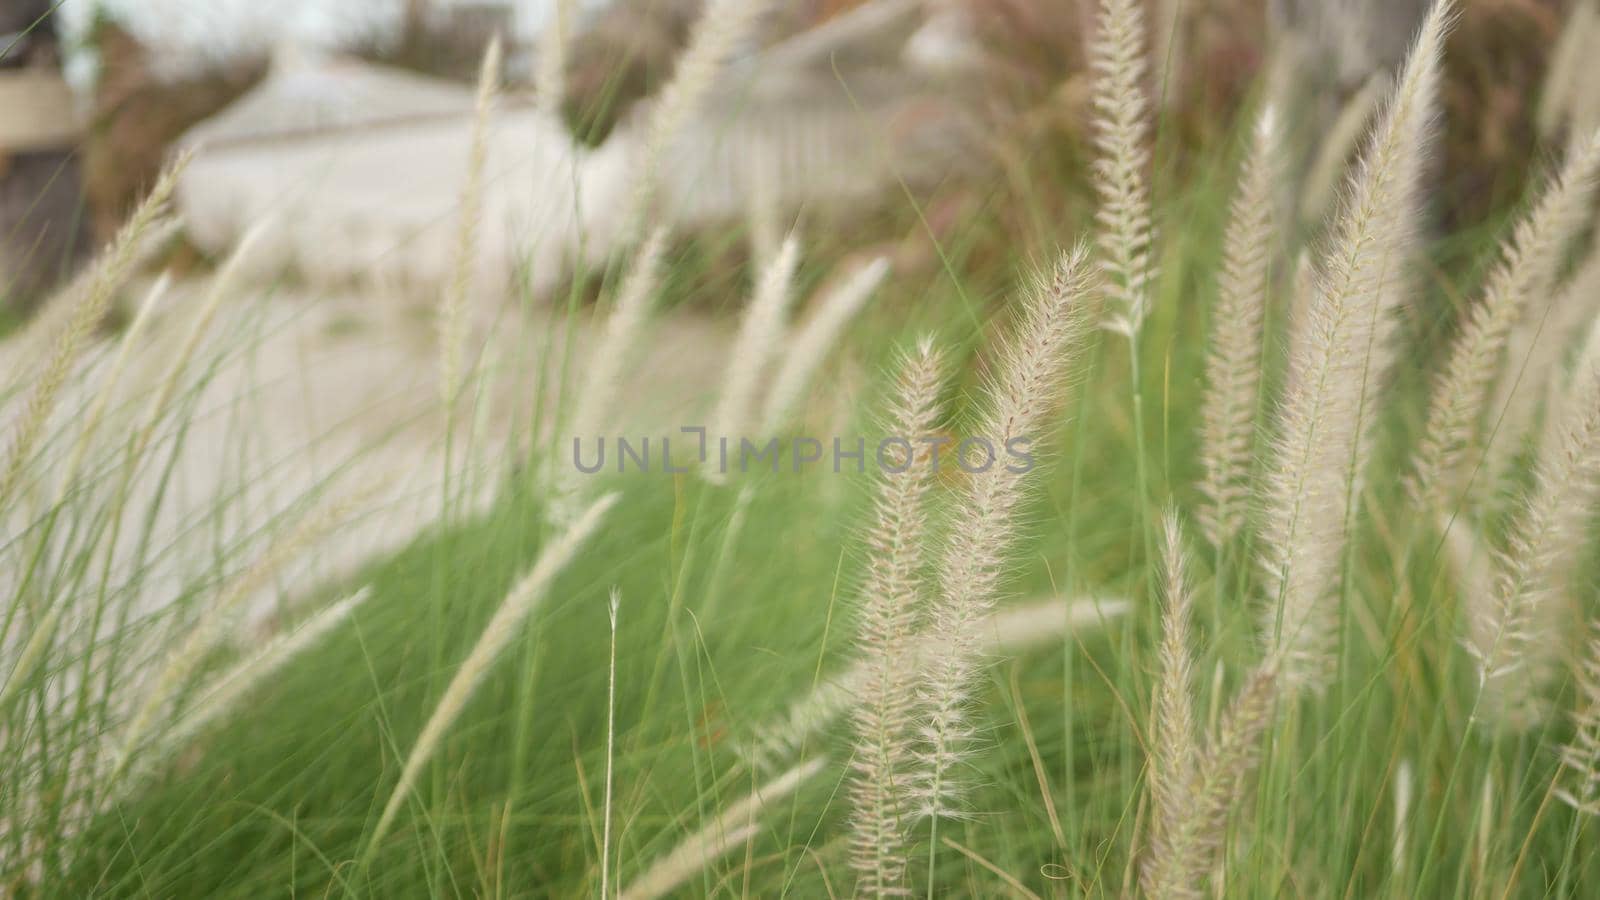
(550, 76)
(1531, 261)
(1580, 758)
(592, 413)
(1509, 628)
(1175, 745)
(721, 28)
(733, 827)
(1179, 867)
(1536, 350)
(760, 334)
(1564, 78)
(1233, 366)
(223, 696)
(984, 526)
(203, 635)
(1337, 354)
(816, 338)
(1010, 631)
(514, 610)
(891, 595)
(102, 398)
(1321, 183)
(1404, 788)
(85, 315)
(452, 313)
(1116, 57)
(33, 653)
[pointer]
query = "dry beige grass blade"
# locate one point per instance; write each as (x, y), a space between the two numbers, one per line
(1338, 354)
(891, 597)
(1234, 361)
(502, 628)
(1175, 746)
(1531, 262)
(1121, 176)
(733, 827)
(452, 312)
(984, 526)
(1511, 628)
(86, 313)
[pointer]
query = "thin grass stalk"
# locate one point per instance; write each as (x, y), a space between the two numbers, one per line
(611, 746)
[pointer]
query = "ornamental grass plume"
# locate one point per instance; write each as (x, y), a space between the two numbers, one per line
(1510, 628)
(984, 527)
(1337, 354)
(1580, 757)
(209, 628)
(722, 27)
(1234, 360)
(87, 311)
(1179, 866)
(1121, 173)
(524, 597)
(452, 312)
(816, 339)
(1174, 738)
(223, 695)
(1536, 350)
(760, 335)
(1530, 263)
(733, 827)
(1011, 631)
(594, 409)
(892, 594)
